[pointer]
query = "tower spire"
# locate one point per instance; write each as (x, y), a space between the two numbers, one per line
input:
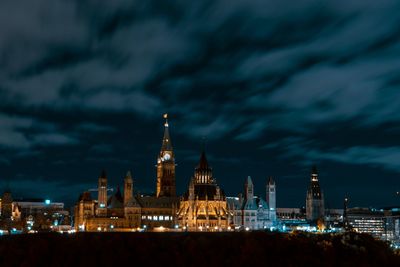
(166, 165)
(203, 171)
(166, 144)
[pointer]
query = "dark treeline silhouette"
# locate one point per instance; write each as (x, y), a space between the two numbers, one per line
(195, 249)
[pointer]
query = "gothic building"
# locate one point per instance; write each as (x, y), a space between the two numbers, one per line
(251, 212)
(315, 198)
(159, 210)
(124, 211)
(166, 166)
(108, 213)
(203, 207)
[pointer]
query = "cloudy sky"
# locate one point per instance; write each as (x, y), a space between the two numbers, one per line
(273, 86)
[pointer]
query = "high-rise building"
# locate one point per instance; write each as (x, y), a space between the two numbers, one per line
(315, 199)
(166, 166)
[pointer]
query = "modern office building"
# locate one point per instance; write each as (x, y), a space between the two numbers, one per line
(383, 223)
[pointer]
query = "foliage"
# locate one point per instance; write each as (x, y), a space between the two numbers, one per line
(195, 249)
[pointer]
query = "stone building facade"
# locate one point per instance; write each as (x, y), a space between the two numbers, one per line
(315, 198)
(203, 207)
(251, 212)
(126, 211)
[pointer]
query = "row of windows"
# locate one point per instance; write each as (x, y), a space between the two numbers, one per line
(157, 218)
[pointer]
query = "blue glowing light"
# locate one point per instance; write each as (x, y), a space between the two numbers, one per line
(47, 202)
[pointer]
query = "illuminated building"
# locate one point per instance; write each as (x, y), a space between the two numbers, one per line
(203, 207)
(33, 214)
(160, 210)
(271, 198)
(102, 195)
(315, 199)
(83, 211)
(108, 213)
(251, 212)
(380, 223)
(166, 166)
(126, 211)
(41, 215)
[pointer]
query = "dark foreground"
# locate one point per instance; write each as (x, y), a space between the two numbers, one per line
(194, 249)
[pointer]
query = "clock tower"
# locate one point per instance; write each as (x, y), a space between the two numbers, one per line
(166, 166)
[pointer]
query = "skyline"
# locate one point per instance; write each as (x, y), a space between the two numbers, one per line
(274, 88)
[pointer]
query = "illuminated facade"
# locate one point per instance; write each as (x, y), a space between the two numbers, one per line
(126, 211)
(31, 215)
(166, 166)
(315, 199)
(203, 207)
(380, 223)
(108, 213)
(252, 212)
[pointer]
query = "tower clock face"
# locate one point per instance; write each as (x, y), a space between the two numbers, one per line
(167, 156)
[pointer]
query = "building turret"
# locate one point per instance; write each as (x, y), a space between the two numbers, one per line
(102, 194)
(6, 205)
(249, 189)
(166, 166)
(315, 199)
(203, 172)
(345, 207)
(128, 188)
(271, 198)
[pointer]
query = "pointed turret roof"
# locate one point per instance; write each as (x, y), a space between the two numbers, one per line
(271, 180)
(203, 163)
(249, 181)
(166, 143)
(103, 174)
(128, 175)
(116, 200)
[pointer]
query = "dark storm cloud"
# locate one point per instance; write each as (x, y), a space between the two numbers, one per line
(280, 76)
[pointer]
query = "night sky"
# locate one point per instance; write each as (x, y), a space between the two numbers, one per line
(273, 86)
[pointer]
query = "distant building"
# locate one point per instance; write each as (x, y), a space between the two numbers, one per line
(41, 215)
(251, 212)
(380, 223)
(203, 207)
(27, 215)
(315, 199)
(290, 214)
